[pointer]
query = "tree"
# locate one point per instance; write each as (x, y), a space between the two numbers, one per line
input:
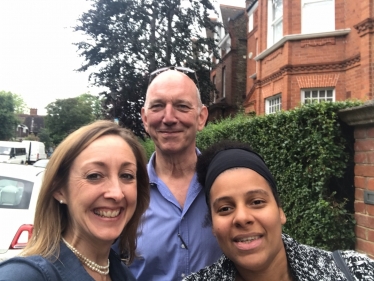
(96, 104)
(65, 116)
(44, 137)
(128, 39)
(20, 105)
(8, 120)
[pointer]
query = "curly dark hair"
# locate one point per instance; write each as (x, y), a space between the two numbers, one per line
(205, 159)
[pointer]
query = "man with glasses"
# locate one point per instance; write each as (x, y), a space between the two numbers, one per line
(174, 239)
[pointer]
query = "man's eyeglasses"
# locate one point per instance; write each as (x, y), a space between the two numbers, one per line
(188, 71)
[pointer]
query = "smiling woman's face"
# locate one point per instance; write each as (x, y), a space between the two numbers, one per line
(102, 190)
(247, 220)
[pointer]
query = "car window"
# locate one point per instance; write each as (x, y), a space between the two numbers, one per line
(15, 193)
(4, 150)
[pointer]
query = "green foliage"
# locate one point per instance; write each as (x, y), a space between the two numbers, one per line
(95, 102)
(128, 39)
(65, 116)
(8, 120)
(32, 137)
(44, 137)
(308, 151)
(20, 105)
(148, 146)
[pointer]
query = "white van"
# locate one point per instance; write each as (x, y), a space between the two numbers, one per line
(35, 150)
(12, 152)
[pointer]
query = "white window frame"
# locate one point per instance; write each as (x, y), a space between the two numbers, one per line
(251, 17)
(273, 23)
(273, 104)
(317, 16)
(223, 82)
(312, 95)
(214, 91)
(225, 44)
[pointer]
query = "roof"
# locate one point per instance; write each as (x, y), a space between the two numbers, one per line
(230, 13)
(251, 4)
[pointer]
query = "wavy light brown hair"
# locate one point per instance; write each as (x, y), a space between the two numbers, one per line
(51, 217)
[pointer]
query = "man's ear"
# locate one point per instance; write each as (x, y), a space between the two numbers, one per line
(203, 116)
(144, 119)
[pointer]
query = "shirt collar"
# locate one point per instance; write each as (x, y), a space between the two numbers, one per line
(151, 167)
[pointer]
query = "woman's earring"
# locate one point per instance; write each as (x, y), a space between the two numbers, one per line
(61, 201)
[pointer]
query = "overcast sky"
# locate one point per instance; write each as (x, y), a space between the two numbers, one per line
(37, 57)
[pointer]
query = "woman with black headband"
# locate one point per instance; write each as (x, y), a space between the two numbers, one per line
(247, 218)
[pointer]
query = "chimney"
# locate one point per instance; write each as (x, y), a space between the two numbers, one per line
(33, 111)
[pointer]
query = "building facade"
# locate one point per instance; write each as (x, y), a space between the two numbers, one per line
(301, 51)
(229, 71)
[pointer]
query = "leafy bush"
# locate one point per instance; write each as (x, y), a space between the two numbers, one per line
(309, 152)
(149, 146)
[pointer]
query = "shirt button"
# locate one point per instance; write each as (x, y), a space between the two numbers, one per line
(182, 246)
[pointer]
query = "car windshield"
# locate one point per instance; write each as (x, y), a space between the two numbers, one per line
(4, 150)
(15, 193)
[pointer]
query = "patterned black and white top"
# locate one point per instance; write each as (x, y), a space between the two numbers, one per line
(306, 263)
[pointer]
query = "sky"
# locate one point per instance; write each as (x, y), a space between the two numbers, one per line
(37, 56)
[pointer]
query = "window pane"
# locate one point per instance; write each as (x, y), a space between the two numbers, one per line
(278, 31)
(314, 94)
(273, 104)
(329, 93)
(318, 16)
(322, 93)
(277, 9)
(307, 94)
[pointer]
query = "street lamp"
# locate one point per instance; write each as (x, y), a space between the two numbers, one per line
(114, 95)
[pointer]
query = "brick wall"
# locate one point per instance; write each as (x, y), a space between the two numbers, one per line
(348, 58)
(362, 118)
(235, 64)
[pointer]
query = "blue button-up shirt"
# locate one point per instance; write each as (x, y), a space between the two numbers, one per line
(173, 242)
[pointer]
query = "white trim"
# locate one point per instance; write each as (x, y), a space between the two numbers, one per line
(223, 40)
(223, 82)
(273, 22)
(250, 14)
(302, 93)
(268, 100)
(295, 37)
(254, 7)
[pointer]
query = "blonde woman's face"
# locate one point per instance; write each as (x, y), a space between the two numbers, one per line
(102, 190)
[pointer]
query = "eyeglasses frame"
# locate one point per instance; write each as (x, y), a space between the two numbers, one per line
(182, 69)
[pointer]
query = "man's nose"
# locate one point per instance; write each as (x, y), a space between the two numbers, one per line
(169, 114)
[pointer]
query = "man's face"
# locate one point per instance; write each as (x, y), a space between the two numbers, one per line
(171, 114)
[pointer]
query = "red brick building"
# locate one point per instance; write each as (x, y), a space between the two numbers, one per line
(301, 51)
(229, 72)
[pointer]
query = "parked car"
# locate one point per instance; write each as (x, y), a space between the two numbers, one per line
(12, 152)
(35, 150)
(41, 163)
(19, 190)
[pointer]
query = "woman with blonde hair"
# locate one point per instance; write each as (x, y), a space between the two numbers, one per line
(95, 190)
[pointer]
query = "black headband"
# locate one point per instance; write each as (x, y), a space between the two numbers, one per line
(235, 158)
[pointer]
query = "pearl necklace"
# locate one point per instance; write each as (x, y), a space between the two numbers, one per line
(104, 270)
